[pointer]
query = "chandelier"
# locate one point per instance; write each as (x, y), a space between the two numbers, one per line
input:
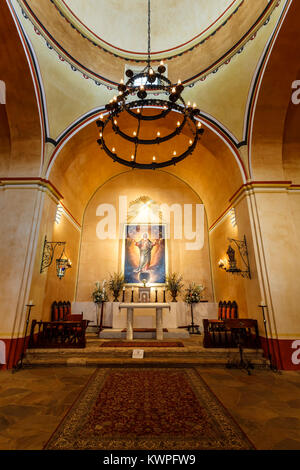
(143, 84)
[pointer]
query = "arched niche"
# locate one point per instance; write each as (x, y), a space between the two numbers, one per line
(99, 257)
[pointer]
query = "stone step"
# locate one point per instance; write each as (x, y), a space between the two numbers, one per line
(96, 356)
(113, 362)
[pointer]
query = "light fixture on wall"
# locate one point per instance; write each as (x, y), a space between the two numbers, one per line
(232, 217)
(230, 265)
(58, 214)
(150, 79)
(62, 263)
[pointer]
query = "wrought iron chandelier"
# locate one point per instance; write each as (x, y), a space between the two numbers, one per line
(150, 81)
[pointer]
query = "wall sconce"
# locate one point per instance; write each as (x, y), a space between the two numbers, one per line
(62, 263)
(243, 250)
(58, 214)
(232, 217)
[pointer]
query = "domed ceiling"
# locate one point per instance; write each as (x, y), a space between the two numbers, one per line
(98, 37)
(122, 26)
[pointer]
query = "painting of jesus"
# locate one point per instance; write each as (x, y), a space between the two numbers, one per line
(145, 254)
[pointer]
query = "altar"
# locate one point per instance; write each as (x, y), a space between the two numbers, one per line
(142, 305)
(175, 317)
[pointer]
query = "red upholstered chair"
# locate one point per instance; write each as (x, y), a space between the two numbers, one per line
(220, 310)
(223, 312)
(68, 305)
(228, 310)
(60, 311)
(234, 310)
(54, 311)
(65, 310)
(75, 317)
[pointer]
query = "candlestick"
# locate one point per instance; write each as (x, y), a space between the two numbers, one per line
(155, 295)
(123, 296)
(132, 294)
(164, 295)
(19, 363)
(272, 366)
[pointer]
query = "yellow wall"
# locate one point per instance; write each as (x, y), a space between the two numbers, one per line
(47, 287)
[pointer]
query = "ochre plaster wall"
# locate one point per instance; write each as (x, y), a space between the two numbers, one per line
(281, 252)
(17, 209)
(98, 258)
(47, 287)
(227, 286)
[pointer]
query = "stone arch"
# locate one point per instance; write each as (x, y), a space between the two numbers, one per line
(22, 111)
(273, 110)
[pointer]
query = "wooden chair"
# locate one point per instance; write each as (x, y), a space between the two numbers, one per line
(60, 311)
(224, 333)
(234, 310)
(54, 311)
(227, 310)
(220, 310)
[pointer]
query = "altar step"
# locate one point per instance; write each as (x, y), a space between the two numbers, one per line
(95, 356)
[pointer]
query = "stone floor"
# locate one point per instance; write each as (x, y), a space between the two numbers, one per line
(266, 405)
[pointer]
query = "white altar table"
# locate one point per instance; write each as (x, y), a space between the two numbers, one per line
(130, 308)
(176, 315)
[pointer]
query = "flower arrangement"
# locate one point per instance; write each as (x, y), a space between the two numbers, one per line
(193, 293)
(174, 285)
(100, 294)
(115, 284)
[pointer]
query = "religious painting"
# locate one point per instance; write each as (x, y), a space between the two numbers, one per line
(145, 254)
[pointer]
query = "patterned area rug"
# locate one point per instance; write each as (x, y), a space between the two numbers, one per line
(149, 409)
(142, 344)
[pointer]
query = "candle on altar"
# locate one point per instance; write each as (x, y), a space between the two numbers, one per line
(30, 302)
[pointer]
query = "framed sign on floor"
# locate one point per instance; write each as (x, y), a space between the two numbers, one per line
(144, 254)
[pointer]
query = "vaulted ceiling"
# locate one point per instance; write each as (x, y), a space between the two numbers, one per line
(81, 50)
(60, 94)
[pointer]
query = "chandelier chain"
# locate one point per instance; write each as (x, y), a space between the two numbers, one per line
(137, 136)
(149, 32)
(142, 83)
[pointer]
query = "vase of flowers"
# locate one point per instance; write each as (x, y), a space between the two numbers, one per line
(193, 294)
(174, 285)
(115, 285)
(99, 297)
(100, 294)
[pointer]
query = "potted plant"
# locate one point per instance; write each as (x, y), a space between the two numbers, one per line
(193, 294)
(115, 284)
(174, 285)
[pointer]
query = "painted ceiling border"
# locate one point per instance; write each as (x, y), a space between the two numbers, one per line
(67, 14)
(99, 80)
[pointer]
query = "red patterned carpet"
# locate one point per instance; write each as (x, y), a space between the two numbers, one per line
(142, 344)
(150, 409)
